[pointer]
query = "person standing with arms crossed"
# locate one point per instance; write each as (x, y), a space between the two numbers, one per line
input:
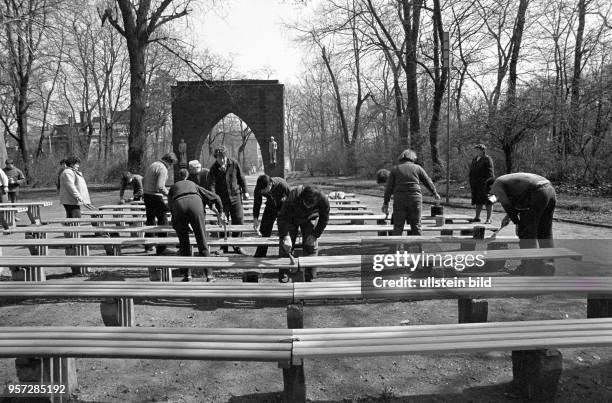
(404, 184)
(275, 190)
(227, 180)
(155, 190)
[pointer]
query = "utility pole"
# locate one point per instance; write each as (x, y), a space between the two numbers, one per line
(446, 64)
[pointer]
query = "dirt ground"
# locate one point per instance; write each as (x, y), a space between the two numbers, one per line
(474, 377)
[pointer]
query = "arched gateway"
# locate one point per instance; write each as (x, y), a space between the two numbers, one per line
(197, 106)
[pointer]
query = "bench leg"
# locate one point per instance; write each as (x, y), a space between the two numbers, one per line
(28, 274)
(250, 277)
(536, 373)
(293, 377)
(118, 312)
(472, 311)
(599, 307)
(53, 370)
(294, 383)
(34, 214)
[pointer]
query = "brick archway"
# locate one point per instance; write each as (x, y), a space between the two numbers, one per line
(197, 106)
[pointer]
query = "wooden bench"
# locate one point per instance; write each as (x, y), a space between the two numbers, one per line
(33, 209)
(47, 353)
(247, 228)
(120, 310)
(536, 367)
(31, 268)
(8, 215)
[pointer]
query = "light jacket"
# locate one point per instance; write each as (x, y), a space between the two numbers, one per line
(73, 189)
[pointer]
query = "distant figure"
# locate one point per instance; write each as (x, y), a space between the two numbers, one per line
(382, 176)
(227, 180)
(272, 147)
(304, 206)
(59, 172)
(73, 189)
(481, 170)
(135, 181)
(404, 184)
(197, 174)
(337, 195)
(275, 190)
(529, 201)
(155, 190)
(182, 148)
(186, 201)
(4, 187)
(16, 178)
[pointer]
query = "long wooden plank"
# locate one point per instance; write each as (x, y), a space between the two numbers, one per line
(242, 262)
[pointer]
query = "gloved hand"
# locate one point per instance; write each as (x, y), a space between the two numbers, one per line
(311, 241)
(505, 221)
(286, 244)
(385, 208)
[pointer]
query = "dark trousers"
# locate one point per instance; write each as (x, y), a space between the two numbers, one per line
(306, 228)
(188, 210)
(12, 197)
(265, 228)
(72, 210)
(233, 210)
(156, 215)
(407, 208)
(535, 225)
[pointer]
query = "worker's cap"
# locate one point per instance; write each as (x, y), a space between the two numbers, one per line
(9, 161)
(480, 146)
(183, 174)
(220, 151)
(193, 164)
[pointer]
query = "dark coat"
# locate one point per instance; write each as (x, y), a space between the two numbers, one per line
(480, 171)
(274, 199)
(229, 185)
(186, 187)
(200, 178)
(294, 213)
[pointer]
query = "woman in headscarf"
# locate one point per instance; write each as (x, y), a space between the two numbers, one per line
(404, 183)
(73, 189)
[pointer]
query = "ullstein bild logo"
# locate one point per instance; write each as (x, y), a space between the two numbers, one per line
(389, 271)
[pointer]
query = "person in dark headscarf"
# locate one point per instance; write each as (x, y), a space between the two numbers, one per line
(481, 170)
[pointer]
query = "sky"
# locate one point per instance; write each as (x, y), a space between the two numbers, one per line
(251, 32)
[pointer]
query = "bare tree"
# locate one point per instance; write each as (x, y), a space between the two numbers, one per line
(140, 22)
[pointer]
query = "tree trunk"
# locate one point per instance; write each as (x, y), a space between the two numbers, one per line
(411, 31)
(136, 137)
(508, 157)
(574, 115)
(22, 126)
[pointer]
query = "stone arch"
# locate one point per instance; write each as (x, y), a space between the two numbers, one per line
(197, 106)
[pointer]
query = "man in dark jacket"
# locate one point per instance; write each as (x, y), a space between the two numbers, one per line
(529, 201)
(197, 174)
(303, 206)
(186, 200)
(16, 178)
(481, 170)
(404, 184)
(134, 181)
(226, 180)
(275, 190)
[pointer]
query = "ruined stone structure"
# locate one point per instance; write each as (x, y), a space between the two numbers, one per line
(197, 106)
